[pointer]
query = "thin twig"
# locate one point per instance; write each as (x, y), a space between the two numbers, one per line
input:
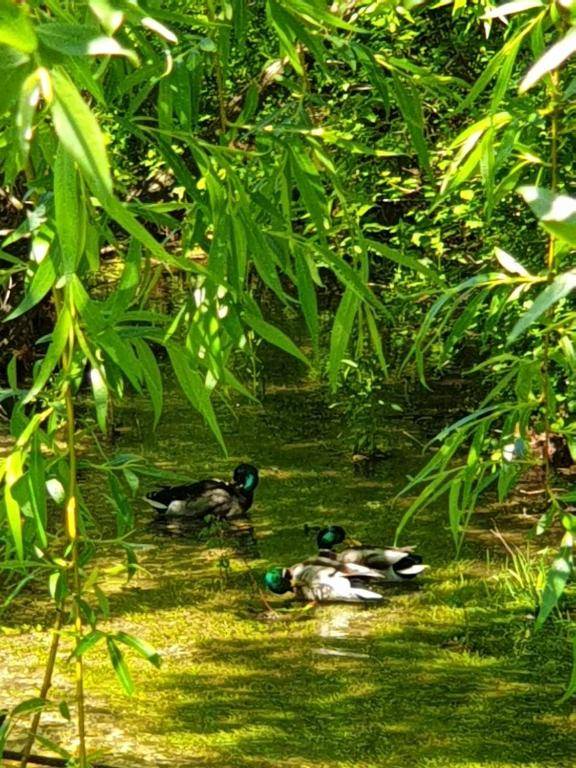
(218, 73)
(72, 532)
(25, 756)
(550, 266)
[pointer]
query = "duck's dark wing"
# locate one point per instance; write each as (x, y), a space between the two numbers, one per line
(197, 500)
(346, 568)
(380, 557)
(162, 498)
(220, 500)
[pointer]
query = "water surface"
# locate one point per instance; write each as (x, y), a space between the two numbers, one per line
(440, 675)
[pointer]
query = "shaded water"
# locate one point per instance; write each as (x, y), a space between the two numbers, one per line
(440, 675)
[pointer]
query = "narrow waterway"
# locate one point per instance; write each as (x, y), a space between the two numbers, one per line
(444, 674)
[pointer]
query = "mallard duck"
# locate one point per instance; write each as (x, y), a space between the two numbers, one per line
(208, 497)
(357, 571)
(322, 580)
(394, 563)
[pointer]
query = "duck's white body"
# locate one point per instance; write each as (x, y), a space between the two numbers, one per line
(325, 583)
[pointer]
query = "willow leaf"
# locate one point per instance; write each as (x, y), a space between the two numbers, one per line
(274, 336)
(308, 300)
(341, 332)
(404, 260)
(120, 666)
(15, 28)
(78, 130)
(37, 489)
(410, 106)
(13, 469)
(100, 392)
(42, 281)
(561, 286)
(571, 687)
(53, 354)
(194, 388)
(509, 9)
(152, 376)
(283, 26)
(551, 60)
(558, 575)
(81, 40)
(556, 213)
(141, 647)
(70, 216)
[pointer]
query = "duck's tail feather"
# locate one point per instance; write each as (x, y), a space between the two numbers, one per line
(366, 595)
(408, 561)
(409, 567)
(398, 557)
(363, 572)
(158, 505)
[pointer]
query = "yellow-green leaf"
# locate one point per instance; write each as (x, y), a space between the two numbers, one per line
(70, 212)
(120, 667)
(81, 40)
(13, 473)
(551, 60)
(15, 28)
(100, 392)
(556, 213)
(79, 132)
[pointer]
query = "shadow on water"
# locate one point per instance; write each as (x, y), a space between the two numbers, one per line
(434, 677)
(378, 702)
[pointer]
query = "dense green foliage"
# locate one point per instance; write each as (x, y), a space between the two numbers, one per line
(397, 175)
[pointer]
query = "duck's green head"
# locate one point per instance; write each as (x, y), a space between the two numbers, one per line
(246, 477)
(278, 580)
(330, 536)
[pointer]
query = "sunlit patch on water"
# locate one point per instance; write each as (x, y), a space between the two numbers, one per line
(347, 620)
(341, 653)
(349, 625)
